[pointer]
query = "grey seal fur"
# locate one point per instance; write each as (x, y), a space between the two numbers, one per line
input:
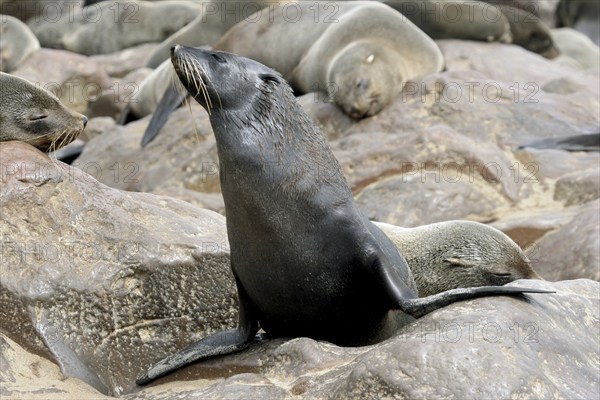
(17, 42)
(363, 55)
(457, 254)
(306, 261)
(34, 116)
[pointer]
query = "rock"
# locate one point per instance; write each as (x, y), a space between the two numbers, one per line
(184, 156)
(578, 187)
(573, 250)
(94, 275)
(527, 227)
(550, 163)
(28, 376)
(495, 347)
(76, 80)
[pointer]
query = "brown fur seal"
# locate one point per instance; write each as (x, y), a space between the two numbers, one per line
(114, 25)
(17, 42)
(34, 116)
(215, 18)
(529, 32)
(454, 254)
(451, 19)
(306, 261)
(362, 53)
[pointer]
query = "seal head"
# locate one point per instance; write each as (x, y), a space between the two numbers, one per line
(33, 115)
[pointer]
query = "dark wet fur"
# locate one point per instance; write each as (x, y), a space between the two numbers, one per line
(305, 260)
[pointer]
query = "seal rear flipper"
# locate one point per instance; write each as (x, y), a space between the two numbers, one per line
(225, 342)
(422, 306)
(169, 102)
(585, 142)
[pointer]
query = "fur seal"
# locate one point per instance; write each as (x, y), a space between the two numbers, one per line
(114, 25)
(529, 32)
(17, 42)
(362, 55)
(454, 254)
(581, 15)
(34, 116)
(207, 28)
(451, 19)
(306, 261)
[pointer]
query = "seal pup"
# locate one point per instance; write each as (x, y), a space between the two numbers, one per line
(305, 260)
(529, 32)
(362, 55)
(17, 42)
(454, 254)
(35, 116)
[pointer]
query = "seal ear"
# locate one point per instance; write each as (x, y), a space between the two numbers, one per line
(268, 78)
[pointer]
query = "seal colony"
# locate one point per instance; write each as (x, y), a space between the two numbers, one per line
(361, 57)
(35, 116)
(306, 261)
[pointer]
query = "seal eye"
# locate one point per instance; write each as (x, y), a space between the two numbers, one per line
(37, 117)
(268, 78)
(218, 58)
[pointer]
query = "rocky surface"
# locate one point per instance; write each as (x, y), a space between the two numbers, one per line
(503, 347)
(92, 275)
(105, 282)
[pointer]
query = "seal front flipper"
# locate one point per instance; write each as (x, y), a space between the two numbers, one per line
(422, 306)
(169, 102)
(220, 343)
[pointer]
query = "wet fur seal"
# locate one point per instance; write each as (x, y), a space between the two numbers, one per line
(17, 42)
(456, 254)
(34, 116)
(306, 261)
(362, 54)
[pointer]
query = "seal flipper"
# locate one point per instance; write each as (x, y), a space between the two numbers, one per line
(585, 142)
(229, 341)
(169, 102)
(402, 298)
(424, 305)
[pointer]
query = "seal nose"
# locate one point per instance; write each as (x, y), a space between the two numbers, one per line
(85, 121)
(175, 48)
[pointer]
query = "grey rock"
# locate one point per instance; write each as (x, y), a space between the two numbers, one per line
(578, 187)
(496, 347)
(28, 376)
(92, 275)
(573, 250)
